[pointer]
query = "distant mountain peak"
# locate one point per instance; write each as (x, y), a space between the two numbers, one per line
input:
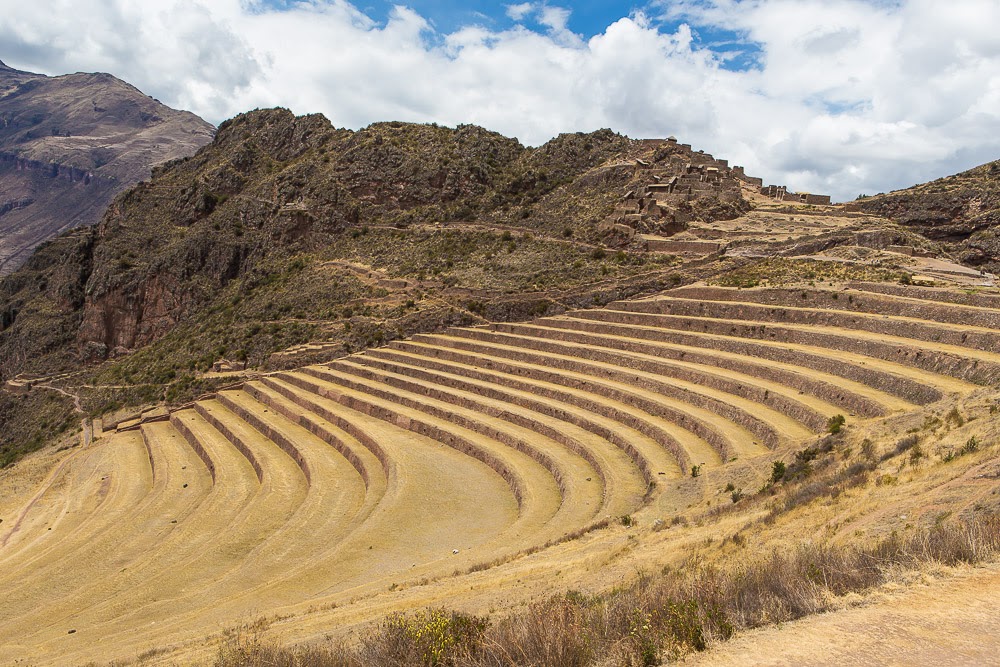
(5, 66)
(69, 143)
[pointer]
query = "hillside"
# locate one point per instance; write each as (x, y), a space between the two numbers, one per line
(488, 468)
(286, 231)
(69, 144)
(287, 241)
(310, 378)
(962, 211)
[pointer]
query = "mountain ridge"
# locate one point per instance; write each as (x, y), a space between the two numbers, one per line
(961, 210)
(69, 143)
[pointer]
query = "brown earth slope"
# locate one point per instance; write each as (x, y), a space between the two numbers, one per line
(962, 211)
(69, 144)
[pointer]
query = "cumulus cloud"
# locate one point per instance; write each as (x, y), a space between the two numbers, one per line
(844, 96)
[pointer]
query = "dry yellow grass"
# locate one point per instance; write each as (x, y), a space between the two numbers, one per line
(453, 470)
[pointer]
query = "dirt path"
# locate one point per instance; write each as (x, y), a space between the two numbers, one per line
(950, 621)
(75, 397)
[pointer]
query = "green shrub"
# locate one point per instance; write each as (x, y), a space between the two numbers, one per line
(835, 423)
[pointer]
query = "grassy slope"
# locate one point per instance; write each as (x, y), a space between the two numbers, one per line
(850, 519)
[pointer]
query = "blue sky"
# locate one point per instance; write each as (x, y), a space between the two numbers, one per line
(833, 96)
(588, 18)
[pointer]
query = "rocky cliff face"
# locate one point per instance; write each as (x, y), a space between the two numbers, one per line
(69, 144)
(961, 210)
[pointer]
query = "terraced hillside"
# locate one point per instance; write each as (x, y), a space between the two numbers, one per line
(329, 495)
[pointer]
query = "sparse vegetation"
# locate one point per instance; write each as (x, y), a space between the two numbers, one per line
(835, 423)
(655, 620)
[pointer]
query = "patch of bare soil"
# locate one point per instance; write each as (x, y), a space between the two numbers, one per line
(947, 620)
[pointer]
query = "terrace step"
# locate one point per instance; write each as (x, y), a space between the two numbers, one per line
(685, 432)
(798, 405)
(949, 368)
(846, 394)
(765, 422)
(613, 421)
(956, 337)
(116, 479)
(842, 355)
(533, 484)
(976, 298)
(857, 302)
(623, 479)
(581, 499)
(244, 507)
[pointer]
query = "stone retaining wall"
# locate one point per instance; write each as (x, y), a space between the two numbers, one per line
(193, 441)
(237, 442)
(827, 391)
(269, 432)
(683, 247)
(149, 453)
(909, 353)
(680, 331)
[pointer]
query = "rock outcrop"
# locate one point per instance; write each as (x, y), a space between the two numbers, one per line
(962, 211)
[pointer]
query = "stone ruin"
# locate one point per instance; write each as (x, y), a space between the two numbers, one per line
(782, 193)
(671, 185)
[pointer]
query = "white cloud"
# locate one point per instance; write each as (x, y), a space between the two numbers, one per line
(849, 95)
(520, 11)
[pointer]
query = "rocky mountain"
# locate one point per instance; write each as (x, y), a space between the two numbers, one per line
(272, 187)
(69, 144)
(287, 240)
(286, 230)
(962, 211)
